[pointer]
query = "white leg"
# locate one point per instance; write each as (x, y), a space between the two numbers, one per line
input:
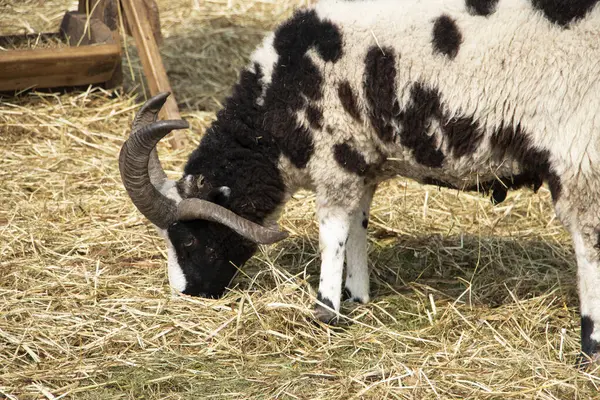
(588, 274)
(581, 217)
(334, 224)
(356, 287)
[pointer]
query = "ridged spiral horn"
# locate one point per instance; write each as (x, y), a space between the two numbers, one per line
(190, 209)
(140, 167)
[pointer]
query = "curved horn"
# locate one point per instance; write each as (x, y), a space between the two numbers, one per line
(134, 163)
(146, 115)
(190, 209)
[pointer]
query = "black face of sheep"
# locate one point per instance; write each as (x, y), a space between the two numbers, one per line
(207, 241)
(208, 256)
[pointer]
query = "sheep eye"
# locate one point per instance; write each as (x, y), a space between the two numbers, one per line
(190, 242)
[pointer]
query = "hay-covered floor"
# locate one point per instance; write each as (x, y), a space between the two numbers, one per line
(469, 300)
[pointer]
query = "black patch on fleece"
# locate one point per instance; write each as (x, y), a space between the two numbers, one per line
(380, 90)
(481, 7)
(365, 223)
(297, 81)
(350, 159)
(292, 83)
(305, 30)
(509, 141)
(446, 36)
(348, 100)
(415, 121)
(464, 135)
(564, 12)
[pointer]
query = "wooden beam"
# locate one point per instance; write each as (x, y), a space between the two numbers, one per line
(154, 70)
(70, 66)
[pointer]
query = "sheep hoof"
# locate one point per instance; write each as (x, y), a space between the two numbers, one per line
(326, 315)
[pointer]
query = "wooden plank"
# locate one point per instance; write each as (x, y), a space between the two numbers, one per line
(152, 64)
(46, 68)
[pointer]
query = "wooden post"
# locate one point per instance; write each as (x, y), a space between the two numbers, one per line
(154, 70)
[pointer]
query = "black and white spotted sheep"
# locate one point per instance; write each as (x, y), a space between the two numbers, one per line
(469, 94)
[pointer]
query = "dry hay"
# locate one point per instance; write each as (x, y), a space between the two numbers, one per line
(33, 16)
(469, 300)
(31, 42)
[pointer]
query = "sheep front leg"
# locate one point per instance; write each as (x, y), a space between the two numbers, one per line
(334, 225)
(356, 287)
(588, 274)
(576, 209)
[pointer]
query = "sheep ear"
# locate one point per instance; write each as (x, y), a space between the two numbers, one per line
(186, 186)
(200, 182)
(219, 195)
